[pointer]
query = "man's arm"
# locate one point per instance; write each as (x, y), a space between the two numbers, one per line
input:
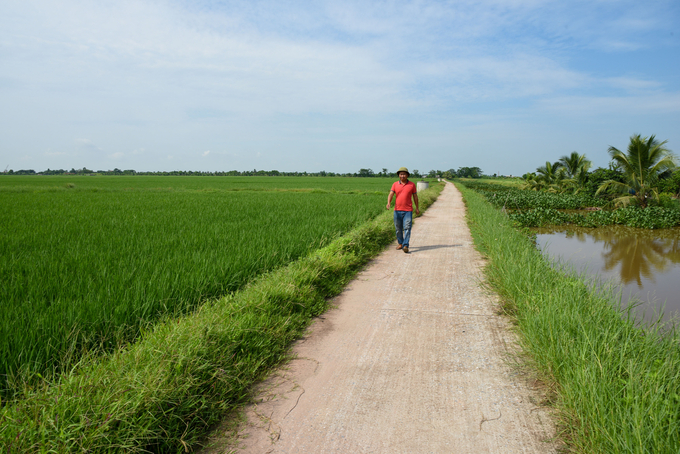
(415, 199)
(389, 199)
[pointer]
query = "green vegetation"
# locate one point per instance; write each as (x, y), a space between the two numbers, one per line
(632, 216)
(513, 182)
(99, 183)
(569, 174)
(540, 209)
(616, 386)
(646, 159)
(88, 262)
(163, 392)
(576, 168)
(635, 177)
(88, 270)
(513, 198)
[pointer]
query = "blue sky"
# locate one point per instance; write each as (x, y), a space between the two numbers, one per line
(503, 85)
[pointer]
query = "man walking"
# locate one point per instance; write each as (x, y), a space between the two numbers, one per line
(403, 208)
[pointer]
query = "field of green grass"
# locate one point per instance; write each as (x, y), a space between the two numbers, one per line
(86, 262)
(185, 372)
(509, 182)
(101, 183)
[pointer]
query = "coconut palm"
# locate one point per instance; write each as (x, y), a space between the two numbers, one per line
(551, 176)
(645, 159)
(530, 182)
(576, 167)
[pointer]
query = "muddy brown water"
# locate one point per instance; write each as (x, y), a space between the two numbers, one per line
(645, 264)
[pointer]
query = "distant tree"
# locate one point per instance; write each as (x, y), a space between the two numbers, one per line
(671, 184)
(416, 173)
(447, 175)
(550, 176)
(598, 176)
(530, 182)
(576, 167)
(365, 173)
(469, 172)
(642, 164)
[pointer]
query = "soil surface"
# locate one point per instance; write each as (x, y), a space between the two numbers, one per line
(413, 358)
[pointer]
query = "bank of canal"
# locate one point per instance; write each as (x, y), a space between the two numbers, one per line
(615, 386)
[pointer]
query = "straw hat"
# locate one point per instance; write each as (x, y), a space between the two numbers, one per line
(403, 169)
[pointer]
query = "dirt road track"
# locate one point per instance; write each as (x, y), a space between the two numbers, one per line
(412, 360)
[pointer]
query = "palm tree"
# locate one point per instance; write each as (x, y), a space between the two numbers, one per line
(551, 176)
(645, 159)
(531, 182)
(576, 167)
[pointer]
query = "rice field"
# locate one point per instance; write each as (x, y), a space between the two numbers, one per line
(88, 262)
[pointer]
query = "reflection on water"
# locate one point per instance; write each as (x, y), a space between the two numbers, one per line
(645, 262)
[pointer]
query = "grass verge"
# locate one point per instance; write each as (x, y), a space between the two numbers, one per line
(164, 392)
(616, 385)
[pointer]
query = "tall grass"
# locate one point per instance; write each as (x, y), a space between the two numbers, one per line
(164, 392)
(87, 270)
(616, 385)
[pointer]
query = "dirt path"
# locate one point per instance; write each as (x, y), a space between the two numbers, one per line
(412, 360)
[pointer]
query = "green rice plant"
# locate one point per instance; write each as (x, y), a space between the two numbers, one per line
(165, 391)
(82, 270)
(616, 385)
(103, 183)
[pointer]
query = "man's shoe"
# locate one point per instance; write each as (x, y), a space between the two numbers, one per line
(399, 247)
(406, 249)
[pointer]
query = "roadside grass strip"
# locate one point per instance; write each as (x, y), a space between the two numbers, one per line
(164, 392)
(614, 384)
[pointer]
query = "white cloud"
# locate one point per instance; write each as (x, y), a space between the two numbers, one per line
(205, 153)
(632, 84)
(117, 155)
(593, 106)
(86, 146)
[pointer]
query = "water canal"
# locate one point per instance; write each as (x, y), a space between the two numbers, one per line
(645, 264)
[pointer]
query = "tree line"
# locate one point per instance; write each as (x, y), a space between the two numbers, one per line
(462, 172)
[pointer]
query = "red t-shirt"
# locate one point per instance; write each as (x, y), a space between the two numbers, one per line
(403, 192)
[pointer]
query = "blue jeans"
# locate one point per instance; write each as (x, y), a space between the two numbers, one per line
(402, 224)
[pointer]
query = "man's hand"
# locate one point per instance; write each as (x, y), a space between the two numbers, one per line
(417, 211)
(388, 206)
